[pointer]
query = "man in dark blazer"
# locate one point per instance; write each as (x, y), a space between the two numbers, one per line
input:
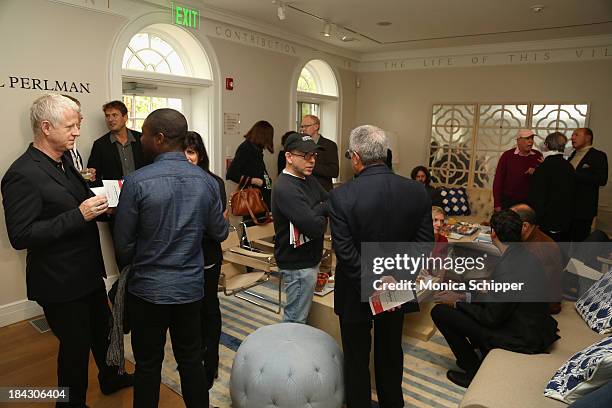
(517, 321)
(376, 206)
(551, 190)
(591, 173)
(327, 166)
(117, 153)
(51, 212)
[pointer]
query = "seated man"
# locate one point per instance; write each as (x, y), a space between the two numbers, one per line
(545, 249)
(499, 319)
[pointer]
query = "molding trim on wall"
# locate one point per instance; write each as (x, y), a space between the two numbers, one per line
(520, 53)
(126, 8)
(19, 311)
(26, 309)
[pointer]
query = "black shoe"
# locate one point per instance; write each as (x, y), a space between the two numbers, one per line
(116, 383)
(459, 378)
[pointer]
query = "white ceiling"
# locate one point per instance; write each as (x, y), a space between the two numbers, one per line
(418, 24)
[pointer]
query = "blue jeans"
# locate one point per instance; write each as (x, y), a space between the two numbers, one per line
(299, 288)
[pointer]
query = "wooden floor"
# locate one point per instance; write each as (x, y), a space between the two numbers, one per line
(29, 358)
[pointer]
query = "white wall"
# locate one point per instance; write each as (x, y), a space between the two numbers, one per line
(402, 101)
(68, 43)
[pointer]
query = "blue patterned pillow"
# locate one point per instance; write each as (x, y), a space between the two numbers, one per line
(584, 372)
(595, 306)
(455, 201)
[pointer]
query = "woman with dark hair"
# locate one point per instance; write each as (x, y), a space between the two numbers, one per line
(213, 255)
(422, 175)
(248, 160)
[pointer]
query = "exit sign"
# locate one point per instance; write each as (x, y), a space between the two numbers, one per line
(185, 16)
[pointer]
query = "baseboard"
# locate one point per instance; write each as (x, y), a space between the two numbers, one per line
(19, 311)
(26, 309)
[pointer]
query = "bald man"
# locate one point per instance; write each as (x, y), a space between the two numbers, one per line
(544, 248)
(591, 173)
(163, 213)
(327, 166)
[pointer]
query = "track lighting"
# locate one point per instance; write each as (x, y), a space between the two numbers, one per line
(326, 30)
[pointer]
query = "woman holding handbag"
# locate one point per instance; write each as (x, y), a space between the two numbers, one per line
(213, 256)
(248, 164)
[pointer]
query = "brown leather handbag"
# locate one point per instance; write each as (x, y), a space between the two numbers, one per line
(248, 201)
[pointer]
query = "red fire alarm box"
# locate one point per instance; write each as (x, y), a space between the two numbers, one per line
(229, 84)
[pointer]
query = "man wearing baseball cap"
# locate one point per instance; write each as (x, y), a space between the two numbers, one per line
(299, 208)
(515, 166)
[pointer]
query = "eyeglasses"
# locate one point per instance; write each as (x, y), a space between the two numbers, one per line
(306, 156)
(348, 154)
(304, 126)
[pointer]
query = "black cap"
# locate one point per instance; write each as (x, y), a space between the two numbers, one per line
(301, 142)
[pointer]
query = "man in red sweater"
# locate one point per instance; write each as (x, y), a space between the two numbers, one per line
(515, 166)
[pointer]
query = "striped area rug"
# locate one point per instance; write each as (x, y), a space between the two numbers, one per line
(425, 363)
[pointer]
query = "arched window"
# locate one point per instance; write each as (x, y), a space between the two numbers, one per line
(307, 83)
(148, 52)
(317, 94)
(164, 66)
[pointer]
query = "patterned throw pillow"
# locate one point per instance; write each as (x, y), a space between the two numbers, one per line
(584, 372)
(595, 306)
(455, 201)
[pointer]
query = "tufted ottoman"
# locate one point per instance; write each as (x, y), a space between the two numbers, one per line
(287, 365)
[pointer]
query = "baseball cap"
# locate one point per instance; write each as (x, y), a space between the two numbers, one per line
(301, 142)
(524, 133)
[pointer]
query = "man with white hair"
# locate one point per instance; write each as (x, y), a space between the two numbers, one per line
(50, 211)
(514, 169)
(381, 206)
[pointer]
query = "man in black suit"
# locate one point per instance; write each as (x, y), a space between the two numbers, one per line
(51, 212)
(327, 166)
(518, 322)
(381, 206)
(117, 153)
(591, 173)
(551, 190)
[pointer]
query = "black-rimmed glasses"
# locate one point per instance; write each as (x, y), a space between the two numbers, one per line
(348, 153)
(306, 156)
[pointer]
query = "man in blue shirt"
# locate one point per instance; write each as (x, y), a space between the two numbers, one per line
(164, 210)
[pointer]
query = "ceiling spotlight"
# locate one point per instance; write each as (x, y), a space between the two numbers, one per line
(281, 11)
(537, 8)
(326, 30)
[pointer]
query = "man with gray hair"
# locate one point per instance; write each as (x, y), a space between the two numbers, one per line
(51, 212)
(551, 190)
(377, 205)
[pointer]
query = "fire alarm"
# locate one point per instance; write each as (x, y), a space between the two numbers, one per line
(229, 84)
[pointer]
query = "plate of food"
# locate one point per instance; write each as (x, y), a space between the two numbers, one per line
(463, 228)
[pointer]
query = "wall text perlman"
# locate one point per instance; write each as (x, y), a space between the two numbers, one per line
(19, 82)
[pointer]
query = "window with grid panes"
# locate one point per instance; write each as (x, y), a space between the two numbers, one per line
(468, 139)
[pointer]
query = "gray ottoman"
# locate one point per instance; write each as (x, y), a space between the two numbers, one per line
(287, 365)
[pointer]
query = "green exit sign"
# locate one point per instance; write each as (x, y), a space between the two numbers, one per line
(185, 16)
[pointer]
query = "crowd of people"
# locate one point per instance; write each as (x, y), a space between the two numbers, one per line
(172, 217)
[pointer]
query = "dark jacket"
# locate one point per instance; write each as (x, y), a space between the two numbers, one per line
(326, 166)
(248, 161)
(301, 202)
(524, 327)
(105, 158)
(41, 209)
(376, 206)
(551, 193)
(211, 248)
(591, 173)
